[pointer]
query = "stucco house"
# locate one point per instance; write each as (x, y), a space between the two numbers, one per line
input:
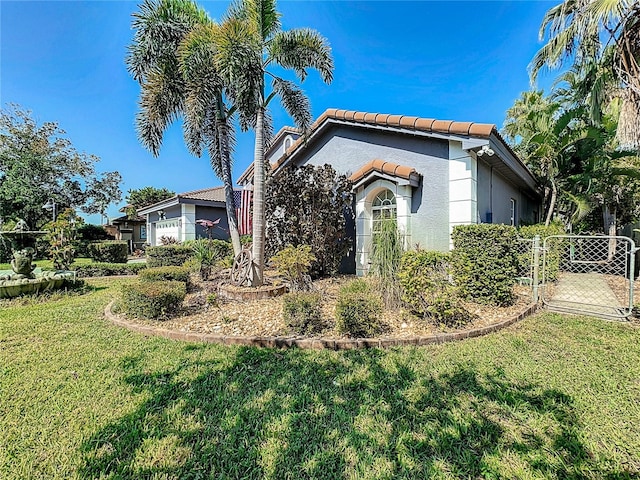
(176, 216)
(430, 174)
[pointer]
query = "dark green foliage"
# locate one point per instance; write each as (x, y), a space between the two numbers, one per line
(207, 252)
(168, 255)
(109, 251)
(310, 206)
(38, 164)
(358, 310)
(302, 312)
(426, 287)
(158, 274)
(485, 262)
(108, 269)
(86, 234)
(138, 198)
(152, 299)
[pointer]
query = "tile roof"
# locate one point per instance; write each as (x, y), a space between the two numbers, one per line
(389, 168)
(215, 194)
(401, 122)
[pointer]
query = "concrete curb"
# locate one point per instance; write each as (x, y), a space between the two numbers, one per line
(315, 343)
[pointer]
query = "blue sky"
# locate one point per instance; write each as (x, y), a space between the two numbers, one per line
(465, 61)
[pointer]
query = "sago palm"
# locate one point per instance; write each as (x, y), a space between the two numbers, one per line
(172, 56)
(251, 42)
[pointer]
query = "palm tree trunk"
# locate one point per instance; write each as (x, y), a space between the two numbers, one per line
(225, 155)
(258, 201)
(552, 203)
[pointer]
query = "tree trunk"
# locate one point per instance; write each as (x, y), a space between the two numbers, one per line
(628, 131)
(225, 155)
(552, 203)
(258, 202)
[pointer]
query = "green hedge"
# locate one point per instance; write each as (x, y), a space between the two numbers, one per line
(108, 269)
(109, 251)
(358, 310)
(302, 312)
(171, 272)
(152, 299)
(166, 255)
(427, 289)
(485, 262)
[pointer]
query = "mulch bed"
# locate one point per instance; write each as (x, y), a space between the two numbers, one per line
(264, 317)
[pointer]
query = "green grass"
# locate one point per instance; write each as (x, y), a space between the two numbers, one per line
(552, 397)
(48, 264)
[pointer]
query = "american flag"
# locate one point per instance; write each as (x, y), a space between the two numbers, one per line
(242, 199)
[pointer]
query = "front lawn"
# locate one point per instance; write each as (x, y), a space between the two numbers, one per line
(552, 397)
(48, 264)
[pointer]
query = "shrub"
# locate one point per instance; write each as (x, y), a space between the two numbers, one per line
(485, 262)
(62, 235)
(108, 269)
(109, 251)
(387, 245)
(207, 252)
(159, 274)
(293, 263)
(427, 289)
(302, 312)
(168, 255)
(358, 310)
(88, 233)
(165, 240)
(152, 299)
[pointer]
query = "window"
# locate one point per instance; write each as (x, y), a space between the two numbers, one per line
(143, 232)
(287, 143)
(383, 207)
(513, 212)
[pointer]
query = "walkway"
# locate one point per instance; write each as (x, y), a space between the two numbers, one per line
(585, 293)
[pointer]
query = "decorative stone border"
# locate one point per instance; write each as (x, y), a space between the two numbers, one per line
(315, 343)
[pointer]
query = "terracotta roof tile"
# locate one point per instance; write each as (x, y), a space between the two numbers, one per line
(381, 166)
(424, 124)
(349, 116)
(215, 194)
(359, 116)
(481, 129)
(381, 119)
(370, 118)
(441, 126)
(460, 128)
(394, 120)
(408, 122)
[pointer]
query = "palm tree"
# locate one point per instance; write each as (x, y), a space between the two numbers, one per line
(250, 42)
(598, 31)
(172, 57)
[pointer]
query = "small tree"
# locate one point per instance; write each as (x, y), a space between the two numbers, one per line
(62, 236)
(310, 206)
(138, 198)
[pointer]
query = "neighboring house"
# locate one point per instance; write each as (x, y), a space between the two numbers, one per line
(132, 230)
(176, 216)
(431, 175)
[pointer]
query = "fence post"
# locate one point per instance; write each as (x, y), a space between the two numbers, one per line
(536, 267)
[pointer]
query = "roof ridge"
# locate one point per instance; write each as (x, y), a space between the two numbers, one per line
(199, 191)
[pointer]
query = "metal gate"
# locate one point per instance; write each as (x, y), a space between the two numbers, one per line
(589, 274)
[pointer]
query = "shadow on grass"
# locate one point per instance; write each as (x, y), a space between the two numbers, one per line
(363, 414)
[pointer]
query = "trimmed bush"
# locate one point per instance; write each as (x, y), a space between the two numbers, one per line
(426, 287)
(485, 262)
(108, 269)
(302, 312)
(165, 255)
(294, 263)
(109, 251)
(152, 299)
(358, 310)
(159, 274)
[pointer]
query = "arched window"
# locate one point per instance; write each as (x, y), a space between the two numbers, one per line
(287, 143)
(383, 207)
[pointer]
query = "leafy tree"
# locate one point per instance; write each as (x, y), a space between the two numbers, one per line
(62, 236)
(254, 48)
(142, 197)
(598, 33)
(310, 206)
(172, 57)
(37, 164)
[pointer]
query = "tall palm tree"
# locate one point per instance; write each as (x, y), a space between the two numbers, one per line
(252, 41)
(583, 31)
(172, 57)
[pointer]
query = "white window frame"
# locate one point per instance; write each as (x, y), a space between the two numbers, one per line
(513, 212)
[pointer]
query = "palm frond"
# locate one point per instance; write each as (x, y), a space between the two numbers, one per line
(301, 49)
(294, 101)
